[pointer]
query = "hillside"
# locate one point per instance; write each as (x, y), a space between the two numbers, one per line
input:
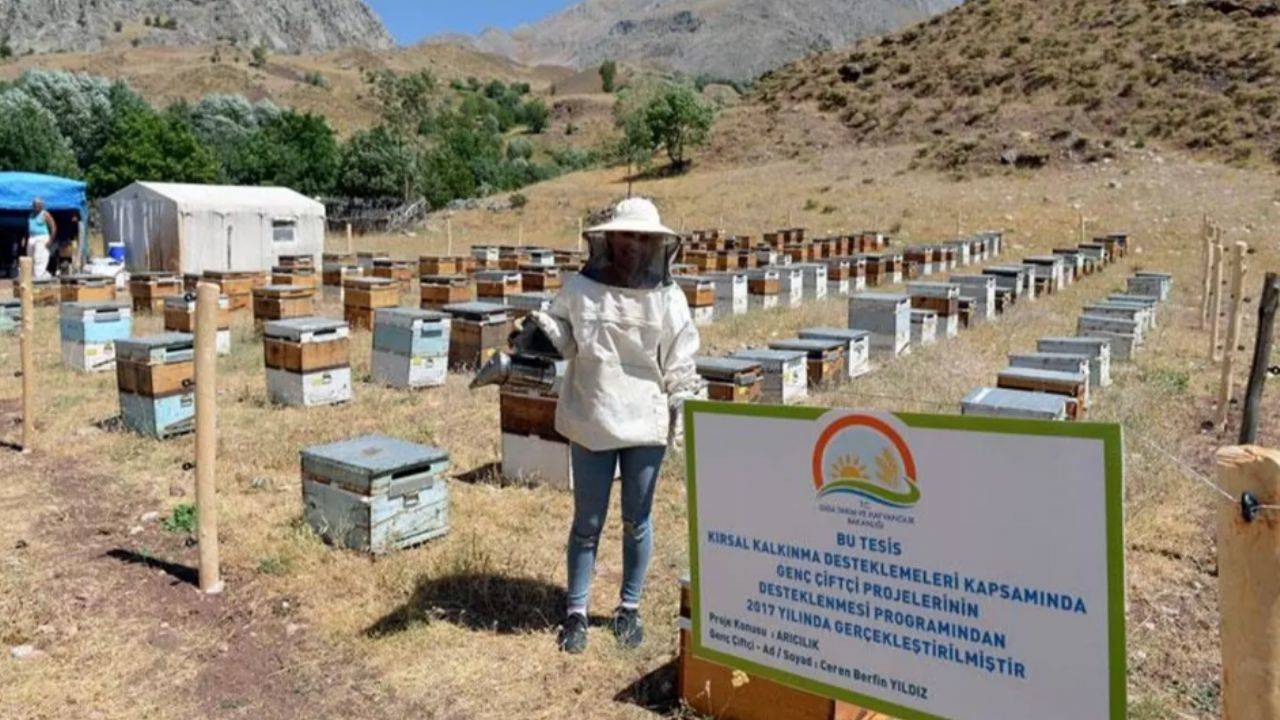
(1025, 82)
(281, 25)
(165, 74)
(735, 40)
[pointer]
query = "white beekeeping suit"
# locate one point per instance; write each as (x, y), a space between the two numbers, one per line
(628, 335)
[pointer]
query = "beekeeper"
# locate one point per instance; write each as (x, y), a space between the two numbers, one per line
(41, 229)
(626, 330)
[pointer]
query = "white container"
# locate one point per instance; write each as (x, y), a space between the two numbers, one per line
(791, 286)
(887, 316)
(408, 372)
(815, 280)
(322, 387)
(531, 460)
(704, 315)
(786, 374)
(222, 342)
(924, 327)
(89, 357)
(731, 293)
(857, 349)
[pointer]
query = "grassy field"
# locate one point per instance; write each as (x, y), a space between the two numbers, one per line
(464, 627)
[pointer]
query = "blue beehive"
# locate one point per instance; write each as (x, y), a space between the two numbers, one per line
(415, 333)
(155, 378)
(95, 322)
(376, 493)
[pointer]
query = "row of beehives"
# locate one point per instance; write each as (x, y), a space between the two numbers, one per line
(1056, 381)
(888, 324)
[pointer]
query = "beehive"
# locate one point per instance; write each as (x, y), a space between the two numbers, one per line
(1150, 303)
(533, 452)
(1096, 251)
(887, 316)
(1073, 363)
(292, 262)
(148, 290)
(401, 271)
(1125, 311)
(538, 278)
(299, 276)
(87, 288)
(1022, 404)
(280, 302)
(1050, 266)
(44, 293)
(791, 286)
(981, 289)
(362, 296)
(10, 314)
(366, 261)
(496, 285)
(922, 256)
(924, 327)
(883, 268)
(1073, 263)
(837, 276)
(857, 344)
(180, 317)
(1154, 284)
(308, 361)
(485, 256)
(1074, 385)
(436, 291)
(825, 359)
(236, 285)
(700, 294)
(89, 331)
(731, 296)
(1096, 350)
(375, 493)
(410, 347)
(1125, 336)
(941, 298)
(814, 280)
(441, 265)
(477, 331)
(538, 257)
(731, 379)
(1015, 278)
(1120, 243)
(155, 376)
(335, 273)
(786, 377)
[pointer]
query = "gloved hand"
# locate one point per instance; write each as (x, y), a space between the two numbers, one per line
(675, 427)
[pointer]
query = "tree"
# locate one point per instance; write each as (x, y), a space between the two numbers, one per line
(258, 56)
(145, 145)
(378, 163)
(29, 137)
(293, 150)
(664, 117)
(84, 106)
(534, 114)
(608, 72)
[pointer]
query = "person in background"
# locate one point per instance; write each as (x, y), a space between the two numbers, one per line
(41, 230)
(625, 328)
(61, 254)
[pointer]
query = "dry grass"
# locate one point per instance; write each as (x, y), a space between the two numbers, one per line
(464, 627)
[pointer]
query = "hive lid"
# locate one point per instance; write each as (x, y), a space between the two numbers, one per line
(372, 455)
(368, 282)
(845, 334)
(1041, 355)
(1017, 399)
(770, 356)
(294, 328)
(807, 345)
(444, 280)
(1154, 274)
(880, 297)
(10, 302)
(408, 315)
(83, 307)
(283, 290)
(154, 275)
(1038, 374)
(718, 367)
(476, 310)
(152, 342)
(499, 275)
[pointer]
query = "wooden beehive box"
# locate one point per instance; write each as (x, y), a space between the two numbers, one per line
(155, 377)
(279, 302)
(478, 330)
(363, 295)
(237, 286)
(148, 290)
(400, 271)
(410, 347)
(334, 274)
(87, 288)
(698, 292)
(764, 282)
(375, 493)
(1023, 404)
(785, 374)
(731, 380)
(539, 278)
(1074, 385)
(436, 291)
(825, 359)
(701, 260)
(857, 346)
(307, 361)
(180, 316)
(496, 285)
(301, 276)
(441, 265)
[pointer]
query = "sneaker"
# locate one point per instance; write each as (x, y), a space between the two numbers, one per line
(627, 627)
(573, 634)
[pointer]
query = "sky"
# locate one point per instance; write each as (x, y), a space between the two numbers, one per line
(413, 20)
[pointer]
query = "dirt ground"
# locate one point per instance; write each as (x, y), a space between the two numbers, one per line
(464, 627)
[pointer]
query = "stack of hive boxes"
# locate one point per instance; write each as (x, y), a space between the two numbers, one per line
(180, 316)
(363, 296)
(281, 302)
(156, 379)
(89, 332)
(301, 275)
(401, 271)
(887, 316)
(763, 288)
(700, 293)
(825, 360)
(730, 292)
(308, 361)
(941, 298)
(857, 346)
(731, 379)
(436, 291)
(410, 347)
(477, 331)
(150, 289)
(376, 494)
(237, 286)
(533, 452)
(786, 377)
(44, 293)
(496, 285)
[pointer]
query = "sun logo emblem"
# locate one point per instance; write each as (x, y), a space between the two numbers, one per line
(864, 456)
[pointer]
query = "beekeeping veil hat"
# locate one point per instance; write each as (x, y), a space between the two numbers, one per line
(633, 249)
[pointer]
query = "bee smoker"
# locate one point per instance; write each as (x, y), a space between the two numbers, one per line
(534, 365)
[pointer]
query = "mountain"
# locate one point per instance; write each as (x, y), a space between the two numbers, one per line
(1026, 82)
(725, 39)
(281, 25)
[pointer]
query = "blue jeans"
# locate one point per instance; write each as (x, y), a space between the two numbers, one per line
(593, 474)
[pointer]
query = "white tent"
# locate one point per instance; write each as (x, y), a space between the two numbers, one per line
(193, 228)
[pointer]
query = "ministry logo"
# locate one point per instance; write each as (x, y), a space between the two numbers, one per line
(864, 455)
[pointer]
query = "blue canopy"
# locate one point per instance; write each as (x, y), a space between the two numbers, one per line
(18, 189)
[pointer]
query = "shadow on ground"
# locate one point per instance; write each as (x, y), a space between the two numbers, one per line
(654, 691)
(180, 572)
(479, 601)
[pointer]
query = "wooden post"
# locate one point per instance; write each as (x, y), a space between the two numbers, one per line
(351, 245)
(448, 233)
(579, 234)
(1215, 304)
(1233, 330)
(1261, 358)
(1248, 585)
(1083, 236)
(1207, 249)
(206, 375)
(27, 339)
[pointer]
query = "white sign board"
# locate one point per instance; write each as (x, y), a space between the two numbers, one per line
(924, 566)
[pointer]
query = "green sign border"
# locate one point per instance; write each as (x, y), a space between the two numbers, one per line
(1112, 440)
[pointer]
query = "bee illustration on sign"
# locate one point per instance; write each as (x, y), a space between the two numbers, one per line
(866, 456)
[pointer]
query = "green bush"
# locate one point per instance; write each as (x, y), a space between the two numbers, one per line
(663, 117)
(181, 520)
(144, 145)
(30, 139)
(258, 56)
(608, 74)
(378, 163)
(294, 150)
(518, 201)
